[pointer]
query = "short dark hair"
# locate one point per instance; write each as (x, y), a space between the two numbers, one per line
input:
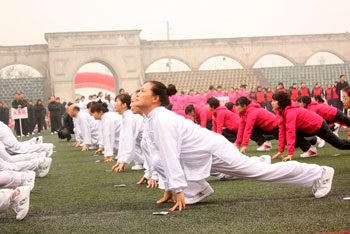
(189, 108)
(347, 90)
(213, 102)
(229, 105)
(304, 99)
(124, 98)
(99, 107)
(283, 99)
(241, 101)
(76, 108)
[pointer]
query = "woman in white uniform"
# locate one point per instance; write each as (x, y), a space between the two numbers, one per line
(184, 154)
(85, 128)
(13, 146)
(109, 129)
(130, 134)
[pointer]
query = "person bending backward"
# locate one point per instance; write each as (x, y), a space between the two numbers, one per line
(85, 128)
(184, 154)
(257, 124)
(109, 129)
(225, 122)
(296, 123)
(130, 134)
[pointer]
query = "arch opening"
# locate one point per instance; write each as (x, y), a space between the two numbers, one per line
(220, 63)
(323, 58)
(272, 60)
(167, 65)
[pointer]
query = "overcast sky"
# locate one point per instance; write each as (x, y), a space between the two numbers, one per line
(25, 21)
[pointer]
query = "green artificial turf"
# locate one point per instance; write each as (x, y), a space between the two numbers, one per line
(78, 197)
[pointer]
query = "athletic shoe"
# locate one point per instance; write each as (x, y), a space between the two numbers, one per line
(265, 159)
(50, 151)
(200, 196)
(222, 176)
(137, 167)
(320, 142)
(93, 147)
(336, 129)
(267, 146)
(312, 152)
(29, 180)
(324, 185)
(44, 167)
(21, 202)
(39, 140)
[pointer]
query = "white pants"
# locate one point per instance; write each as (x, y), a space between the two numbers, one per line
(24, 148)
(18, 157)
(5, 199)
(291, 172)
(29, 165)
(11, 179)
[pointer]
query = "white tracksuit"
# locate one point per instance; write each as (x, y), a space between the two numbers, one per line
(130, 138)
(109, 129)
(13, 146)
(184, 154)
(86, 128)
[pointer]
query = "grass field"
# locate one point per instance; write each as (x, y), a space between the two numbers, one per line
(78, 197)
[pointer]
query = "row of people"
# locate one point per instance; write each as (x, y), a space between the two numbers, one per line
(20, 162)
(182, 154)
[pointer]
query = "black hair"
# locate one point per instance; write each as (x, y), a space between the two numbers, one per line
(304, 99)
(124, 98)
(283, 99)
(160, 90)
(241, 101)
(171, 90)
(90, 104)
(229, 105)
(318, 98)
(213, 102)
(99, 107)
(189, 109)
(347, 90)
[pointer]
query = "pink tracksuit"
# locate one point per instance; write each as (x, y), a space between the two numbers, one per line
(327, 112)
(223, 118)
(294, 118)
(254, 116)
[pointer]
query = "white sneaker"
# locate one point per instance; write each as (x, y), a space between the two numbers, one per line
(44, 167)
(324, 185)
(336, 129)
(39, 140)
(312, 152)
(267, 146)
(93, 147)
(29, 180)
(200, 196)
(320, 142)
(21, 202)
(222, 176)
(50, 151)
(265, 159)
(137, 167)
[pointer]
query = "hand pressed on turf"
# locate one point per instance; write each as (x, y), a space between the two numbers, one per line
(152, 183)
(168, 195)
(118, 167)
(180, 202)
(278, 155)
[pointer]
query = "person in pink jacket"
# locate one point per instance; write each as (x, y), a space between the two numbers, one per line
(329, 113)
(200, 115)
(257, 124)
(296, 123)
(225, 122)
